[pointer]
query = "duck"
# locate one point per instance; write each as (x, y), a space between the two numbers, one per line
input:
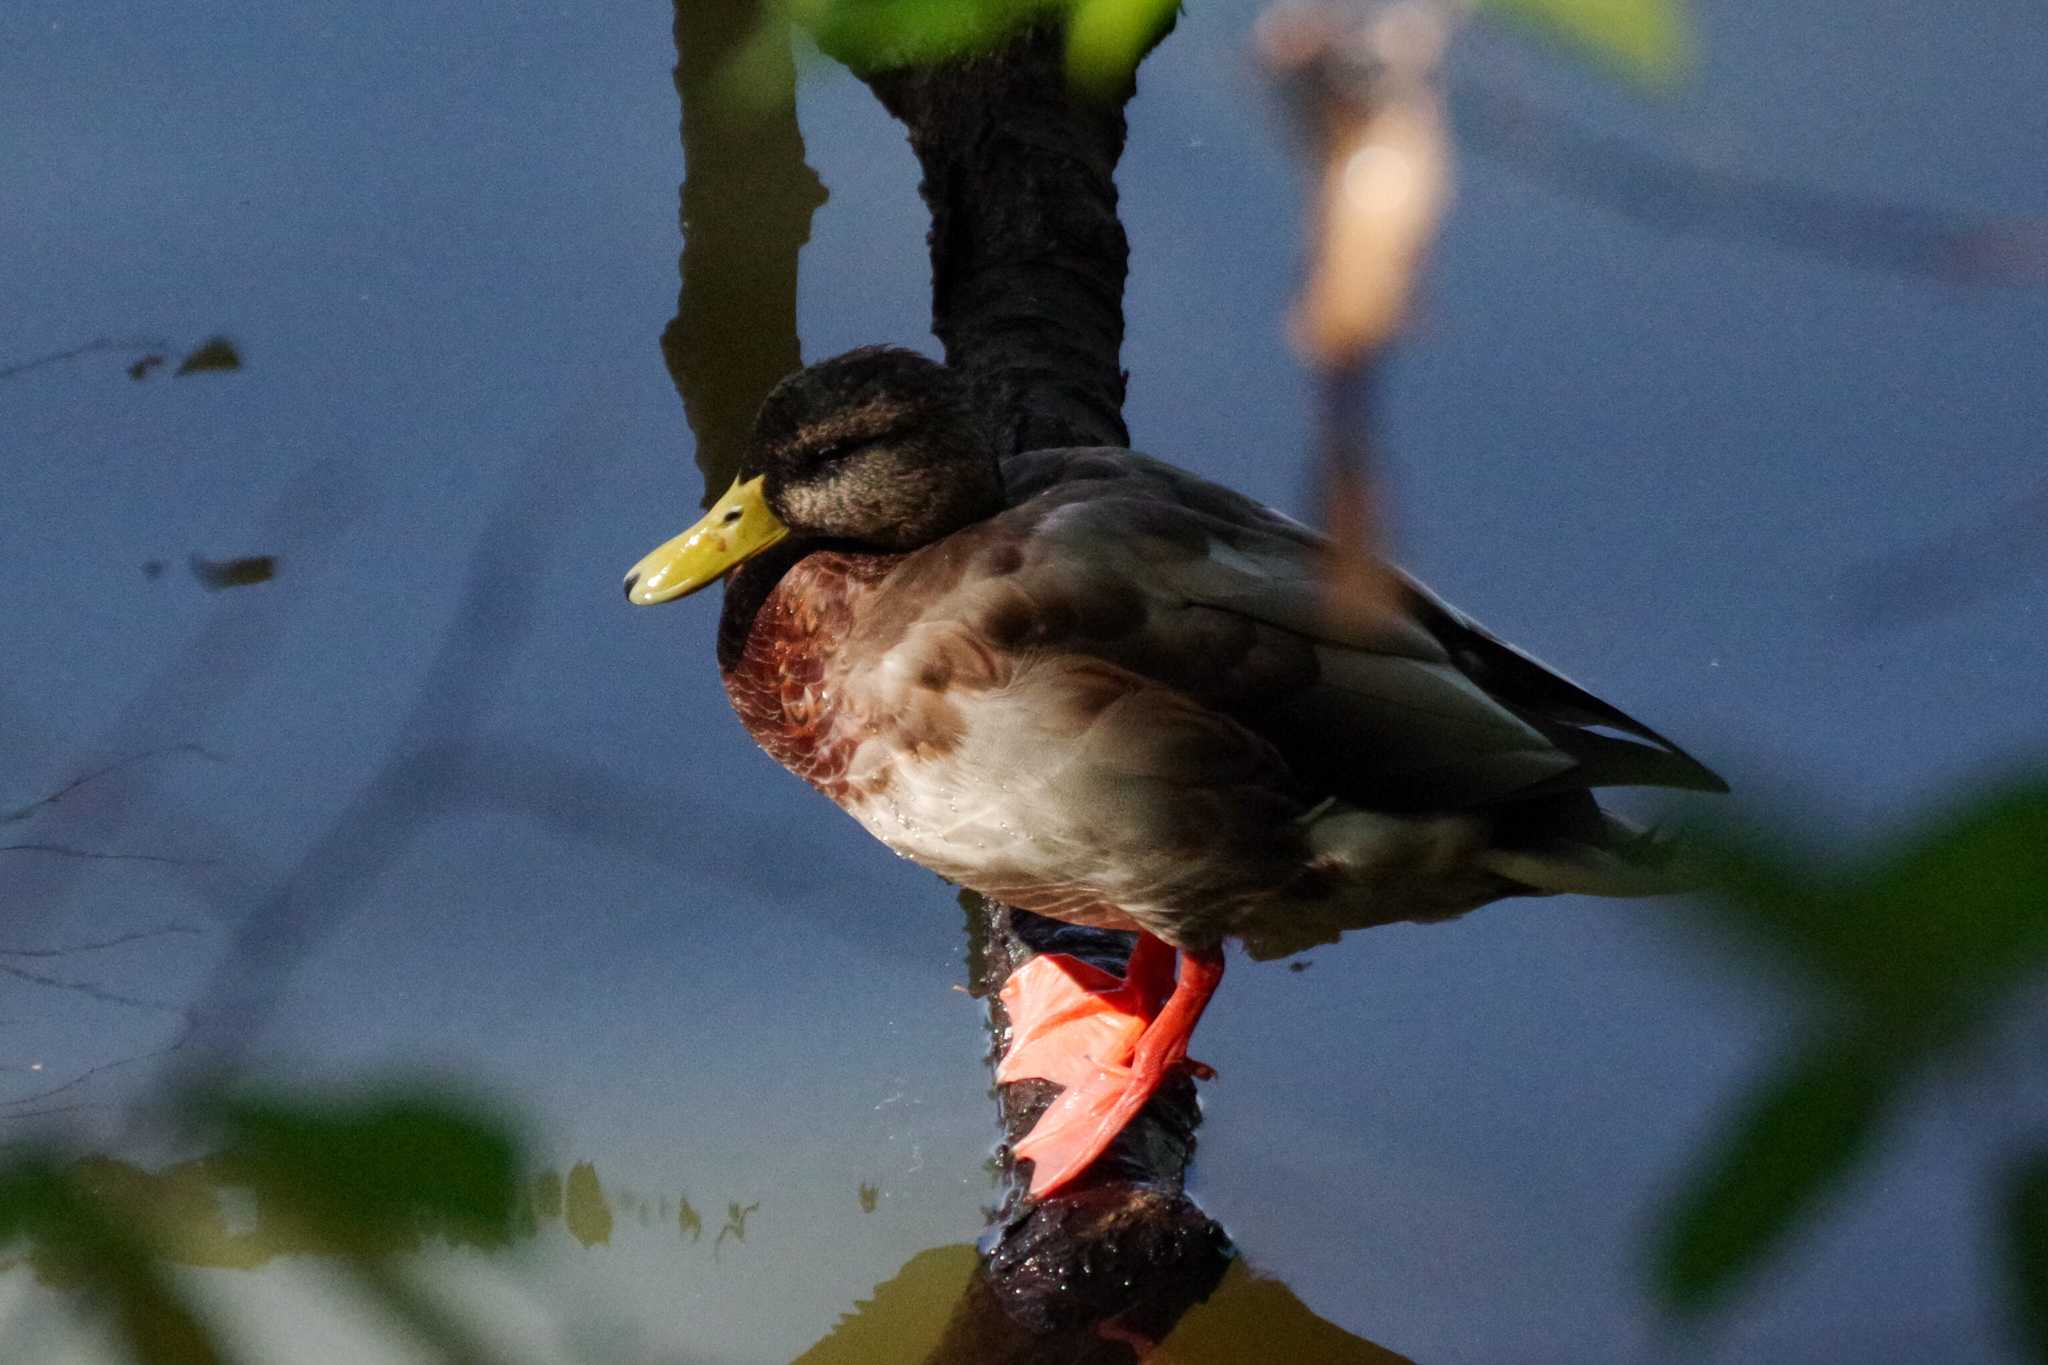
(1091, 685)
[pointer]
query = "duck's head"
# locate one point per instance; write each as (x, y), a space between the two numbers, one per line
(879, 448)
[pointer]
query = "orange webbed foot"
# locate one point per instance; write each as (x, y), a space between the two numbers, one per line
(1111, 1042)
(1069, 1019)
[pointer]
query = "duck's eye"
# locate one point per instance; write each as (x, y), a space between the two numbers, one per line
(836, 452)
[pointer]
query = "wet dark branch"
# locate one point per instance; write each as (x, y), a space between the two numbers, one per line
(1029, 260)
(1057, 1287)
(1104, 1269)
(1028, 255)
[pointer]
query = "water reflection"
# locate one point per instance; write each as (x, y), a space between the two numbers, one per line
(937, 1309)
(921, 1315)
(735, 1224)
(584, 1209)
(206, 1212)
(688, 1222)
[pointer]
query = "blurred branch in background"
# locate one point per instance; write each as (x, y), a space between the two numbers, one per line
(1363, 84)
(1909, 955)
(1672, 195)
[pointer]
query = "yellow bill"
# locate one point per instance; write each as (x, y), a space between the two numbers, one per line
(738, 527)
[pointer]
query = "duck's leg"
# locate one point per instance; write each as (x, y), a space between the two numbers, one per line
(1068, 1018)
(1103, 1096)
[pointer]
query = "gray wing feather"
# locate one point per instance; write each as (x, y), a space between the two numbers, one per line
(1427, 710)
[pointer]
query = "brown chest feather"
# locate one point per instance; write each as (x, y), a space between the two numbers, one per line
(782, 681)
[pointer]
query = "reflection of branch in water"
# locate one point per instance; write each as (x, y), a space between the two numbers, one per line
(1991, 556)
(82, 1077)
(214, 666)
(735, 1224)
(1250, 1320)
(585, 1211)
(689, 1223)
(88, 348)
(218, 575)
(95, 855)
(214, 353)
(95, 945)
(1676, 196)
(747, 201)
(42, 803)
(90, 990)
(494, 602)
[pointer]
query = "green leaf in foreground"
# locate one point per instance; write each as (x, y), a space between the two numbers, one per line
(1963, 909)
(1926, 938)
(1106, 39)
(1649, 40)
(879, 35)
(1800, 1134)
(2027, 1253)
(373, 1176)
(97, 1250)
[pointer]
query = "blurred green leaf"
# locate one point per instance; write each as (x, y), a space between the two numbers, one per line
(25, 1196)
(79, 1242)
(586, 1212)
(1779, 902)
(363, 1178)
(1106, 39)
(1923, 940)
(1648, 40)
(879, 35)
(371, 1176)
(1968, 900)
(1800, 1133)
(2027, 1249)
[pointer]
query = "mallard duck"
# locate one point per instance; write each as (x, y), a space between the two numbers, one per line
(1094, 686)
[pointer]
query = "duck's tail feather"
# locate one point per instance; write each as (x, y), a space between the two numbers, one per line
(1594, 853)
